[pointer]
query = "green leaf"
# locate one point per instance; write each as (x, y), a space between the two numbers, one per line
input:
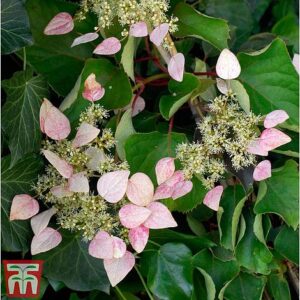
(71, 264)
(195, 243)
(193, 23)
(251, 253)
(241, 95)
(271, 81)
(15, 30)
(220, 271)
(52, 56)
(16, 235)
(20, 113)
(196, 226)
(144, 150)
(181, 92)
(127, 58)
(271, 199)
(209, 284)
(228, 215)
(278, 287)
(124, 130)
(170, 272)
(287, 244)
(245, 287)
(117, 88)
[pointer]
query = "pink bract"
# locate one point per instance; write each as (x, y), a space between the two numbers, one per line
(62, 23)
(138, 29)
(159, 33)
(85, 38)
(275, 117)
(108, 47)
(93, 91)
(132, 216)
(176, 67)
(164, 169)
(23, 207)
(228, 66)
(40, 222)
(85, 134)
(213, 197)
(138, 238)
(262, 171)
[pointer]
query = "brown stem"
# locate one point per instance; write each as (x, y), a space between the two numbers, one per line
(293, 276)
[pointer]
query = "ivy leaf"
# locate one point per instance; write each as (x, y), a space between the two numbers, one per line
(193, 23)
(144, 150)
(181, 92)
(271, 81)
(17, 180)
(251, 253)
(285, 238)
(71, 264)
(220, 271)
(117, 88)
(170, 272)
(15, 30)
(270, 198)
(52, 56)
(209, 284)
(245, 286)
(278, 287)
(21, 112)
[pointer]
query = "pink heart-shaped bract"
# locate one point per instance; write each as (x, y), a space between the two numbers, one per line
(228, 66)
(176, 67)
(164, 169)
(102, 246)
(62, 23)
(119, 247)
(272, 138)
(41, 221)
(53, 122)
(222, 86)
(139, 106)
(79, 183)
(132, 216)
(160, 217)
(213, 197)
(138, 29)
(256, 147)
(181, 188)
(159, 33)
(85, 38)
(112, 186)
(262, 170)
(23, 207)
(117, 268)
(61, 191)
(140, 189)
(85, 134)
(93, 91)
(63, 168)
(138, 238)
(275, 117)
(108, 46)
(46, 240)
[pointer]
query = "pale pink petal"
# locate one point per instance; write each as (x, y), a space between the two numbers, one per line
(140, 189)
(158, 34)
(63, 168)
(85, 38)
(275, 117)
(23, 207)
(139, 106)
(62, 23)
(46, 240)
(108, 47)
(102, 246)
(160, 217)
(213, 197)
(133, 216)
(272, 138)
(164, 169)
(79, 183)
(138, 238)
(166, 189)
(93, 91)
(61, 191)
(41, 221)
(119, 247)
(262, 170)
(118, 268)
(53, 122)
(228, 66)
(45, 107)
(176, 67)
(112, 186)
(256, 147)
(296, 62)
(138, 29)
(182, 188)
(222, 86)
(85, 134)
